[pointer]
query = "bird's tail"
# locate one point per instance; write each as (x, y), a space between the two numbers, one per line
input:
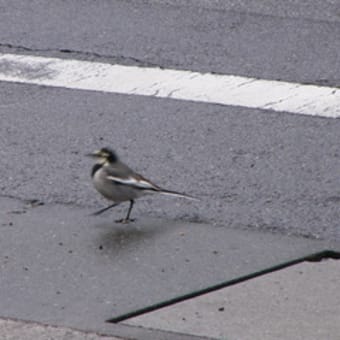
(178, 194)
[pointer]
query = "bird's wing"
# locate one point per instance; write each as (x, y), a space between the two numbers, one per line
(123, 175)
(119, 170)
(137, 182)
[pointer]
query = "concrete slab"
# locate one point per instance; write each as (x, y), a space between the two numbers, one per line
(297, 303)
(60, 266)
(16, 329)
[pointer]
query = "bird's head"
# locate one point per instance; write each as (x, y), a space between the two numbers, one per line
(104, 155)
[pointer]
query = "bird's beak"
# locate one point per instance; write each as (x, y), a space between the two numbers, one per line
(92, 155)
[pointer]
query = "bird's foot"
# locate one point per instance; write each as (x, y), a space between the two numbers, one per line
(125, 220)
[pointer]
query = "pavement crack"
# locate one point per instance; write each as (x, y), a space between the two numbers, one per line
(319, 256)
(86, 55)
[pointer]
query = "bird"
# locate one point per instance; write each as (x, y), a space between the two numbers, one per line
(119, 183)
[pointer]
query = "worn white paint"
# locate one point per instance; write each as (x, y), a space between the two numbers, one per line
(165, 83)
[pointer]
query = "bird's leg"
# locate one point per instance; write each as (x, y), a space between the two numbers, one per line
(127, 218)
(107, 208)
(129, 211)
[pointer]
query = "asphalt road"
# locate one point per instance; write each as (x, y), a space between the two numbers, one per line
(252, 168)
(258, 171)
(289, 41)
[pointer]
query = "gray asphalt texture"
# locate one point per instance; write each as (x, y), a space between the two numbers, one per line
(268, 182)
(290, 41)
(251, 169)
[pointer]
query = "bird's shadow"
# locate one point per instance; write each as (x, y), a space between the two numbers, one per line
(117, 239)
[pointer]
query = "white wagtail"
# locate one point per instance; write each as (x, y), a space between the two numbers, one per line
(118, 183)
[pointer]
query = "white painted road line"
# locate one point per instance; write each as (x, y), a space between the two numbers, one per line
(184, 85)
